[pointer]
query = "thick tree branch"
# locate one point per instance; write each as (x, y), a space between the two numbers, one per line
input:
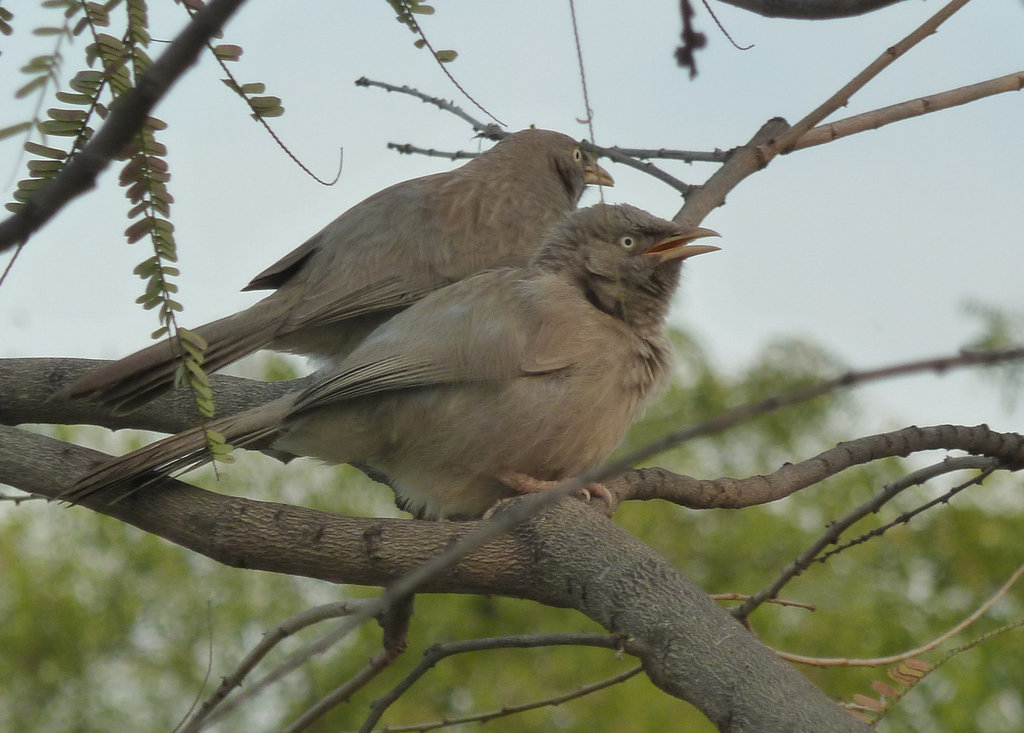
(28, 387)
(125, 120)
(29, 393)
(568, 556)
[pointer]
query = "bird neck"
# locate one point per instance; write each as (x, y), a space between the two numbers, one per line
(642, 308)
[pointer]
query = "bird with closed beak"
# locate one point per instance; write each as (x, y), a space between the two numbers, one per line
(379, 257)
(494, 386)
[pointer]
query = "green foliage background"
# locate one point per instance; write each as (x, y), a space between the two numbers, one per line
(107, 628)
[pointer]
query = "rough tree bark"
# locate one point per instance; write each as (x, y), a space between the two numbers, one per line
(569, 556)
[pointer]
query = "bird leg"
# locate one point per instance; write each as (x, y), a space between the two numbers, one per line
(522, 483)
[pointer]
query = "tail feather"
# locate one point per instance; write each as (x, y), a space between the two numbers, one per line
(131, 382)
(177, 454)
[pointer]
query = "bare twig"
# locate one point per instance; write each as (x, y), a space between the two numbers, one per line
(270, 640)
(507, 710)
(835, 529)
(377, 664)
(646, 167)
(291, 663)
(411, 18)
(784, 143)
(487, 130)
(913, 108)
(395, 622)
(732, 493)
(437, 652)
(688, 156)
(124, 121)
(409, 149)
(774, 601)
(911, 653)
(985, 466)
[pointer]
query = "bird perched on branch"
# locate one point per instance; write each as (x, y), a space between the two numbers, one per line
(378, 257)
(496, 385)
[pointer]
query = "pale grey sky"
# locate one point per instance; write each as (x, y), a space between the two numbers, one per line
(869, 245)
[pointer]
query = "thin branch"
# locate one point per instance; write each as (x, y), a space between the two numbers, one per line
(985, 466)
(411, 18)
(784, 143)
(409, 149)
(270, 640)
(905, 110)
(646, 167)
(775, 601)
(688, 156)
(124, 121)
(396, 628)
(835, 529)
(291, 663)
(910, 654)
(437, 652)
(508, 710)
(810, 9)
(488, 130)
(377, 664)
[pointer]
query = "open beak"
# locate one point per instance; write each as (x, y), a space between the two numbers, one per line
(595, 175)
(677, 247)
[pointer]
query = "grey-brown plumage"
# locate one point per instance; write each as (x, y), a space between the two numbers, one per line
(378, 257)
(536, 371)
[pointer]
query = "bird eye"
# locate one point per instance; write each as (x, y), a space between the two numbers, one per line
(577, 154)
(627, 242)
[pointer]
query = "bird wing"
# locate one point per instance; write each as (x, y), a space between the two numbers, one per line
(382, 254)
(500, 324)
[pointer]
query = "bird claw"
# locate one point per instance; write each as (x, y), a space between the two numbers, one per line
(522, 483)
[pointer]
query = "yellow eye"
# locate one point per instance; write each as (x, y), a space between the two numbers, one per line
(627, 242)
(577, 155)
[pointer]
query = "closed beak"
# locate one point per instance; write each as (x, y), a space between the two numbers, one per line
(595, 175)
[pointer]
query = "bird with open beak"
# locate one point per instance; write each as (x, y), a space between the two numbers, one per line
(494, 386)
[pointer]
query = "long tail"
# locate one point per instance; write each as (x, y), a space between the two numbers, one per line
(177, 453)
(131, 382)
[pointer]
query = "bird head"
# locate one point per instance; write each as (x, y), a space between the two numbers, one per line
(575, 167)
(625, 260)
